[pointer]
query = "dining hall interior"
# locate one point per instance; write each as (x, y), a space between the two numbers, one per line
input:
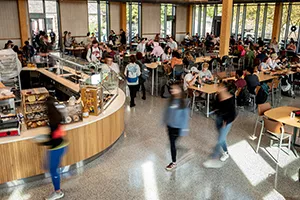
(152, 99)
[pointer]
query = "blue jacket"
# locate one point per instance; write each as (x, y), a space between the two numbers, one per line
(176, 117)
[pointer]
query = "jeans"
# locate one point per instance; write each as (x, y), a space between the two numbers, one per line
(173, 135)
(223, 132)
(54, 157)
(133, 90)
(142, 86)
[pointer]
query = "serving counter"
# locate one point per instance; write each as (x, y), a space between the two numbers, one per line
(21, 157)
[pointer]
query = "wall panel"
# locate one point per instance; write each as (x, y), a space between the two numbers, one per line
(150, 20)
(115, 11)
(74, 17)
(9, 22)
(181, 22)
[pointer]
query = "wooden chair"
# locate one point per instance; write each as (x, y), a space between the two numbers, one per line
(275, 131)
(261, 109)
(253, 97)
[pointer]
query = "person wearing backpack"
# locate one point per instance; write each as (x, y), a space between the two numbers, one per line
(144, 73)
(132, 73)
(94, 53)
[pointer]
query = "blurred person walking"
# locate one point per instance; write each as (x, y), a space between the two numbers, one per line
(57, 148)
(176, 118)
(226, 114)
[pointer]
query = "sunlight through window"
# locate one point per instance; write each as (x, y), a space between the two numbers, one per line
(253, 166)
(150, 187)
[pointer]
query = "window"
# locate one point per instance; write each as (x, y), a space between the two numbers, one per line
(269, 22)
(93, 18)
(132, 14)
(209, 17)
(166, 19)
(51, 17)
(94, 10)
(196, 19)
(250, 20)
(35, 6)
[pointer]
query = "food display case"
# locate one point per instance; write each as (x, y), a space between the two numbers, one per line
(71, 111)
(98, 91)
(34, 108)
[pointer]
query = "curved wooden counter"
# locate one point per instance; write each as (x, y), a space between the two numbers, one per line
(20, 157)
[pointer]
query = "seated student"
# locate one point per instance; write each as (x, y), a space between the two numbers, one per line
(109, 52)
(176, 59)
(251, 80)
(94, 53)
(263, 66)
(188, 59)
(167, 55)
(141, 47)
(240, 82)
(172, 44)
(157, 50)
(272, 62)
(109, 64)
(190, 78)
(205, 74)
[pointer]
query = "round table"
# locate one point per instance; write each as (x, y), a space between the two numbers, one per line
(282, 114)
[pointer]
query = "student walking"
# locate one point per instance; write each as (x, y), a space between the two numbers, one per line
(226, 114)
(57, 148)
(176, 118)
(132, 73)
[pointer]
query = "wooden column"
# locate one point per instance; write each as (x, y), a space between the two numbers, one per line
(23, 17)
(123, 18)
(225, 27)
(189, 19)
(277, 21)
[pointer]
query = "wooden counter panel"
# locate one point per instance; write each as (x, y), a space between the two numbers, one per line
(24, 158)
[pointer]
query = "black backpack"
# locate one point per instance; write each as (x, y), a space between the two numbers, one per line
(244, 97)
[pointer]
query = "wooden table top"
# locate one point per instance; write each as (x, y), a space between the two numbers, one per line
(206, 88)
(202, 59)
(282, 114)
(152, 65)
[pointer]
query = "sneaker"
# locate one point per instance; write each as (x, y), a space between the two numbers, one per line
(224, 157)
(144, 98)
(171, 166)
(213, 164)
(55, 195)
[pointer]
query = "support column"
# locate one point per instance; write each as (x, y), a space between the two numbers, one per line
(189, 19)
(123, 16)
(23, 19)
(277, 21)
(225, 27)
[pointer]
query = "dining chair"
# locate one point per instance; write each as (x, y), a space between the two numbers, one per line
(261, 109)
(275, 131)
(253, 97)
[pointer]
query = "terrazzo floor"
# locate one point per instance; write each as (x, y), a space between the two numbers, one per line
(133, 169)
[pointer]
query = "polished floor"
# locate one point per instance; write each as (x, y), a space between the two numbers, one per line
(134, 167)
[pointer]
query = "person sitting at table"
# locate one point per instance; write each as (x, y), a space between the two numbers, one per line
(251, 80)
(263, 66)
(241, 49)
(260, 42)
(172, 44)
(141, 46)
(176, 59)
(190, 80)
(122, 51)
(291, 46)
(261, 54)
(69, 40)
(167, 55)
(272, 62)
(94, 53)
(157, 50)
(109, 52)
(157, 37)
(188, 59)
(240, 82)
(111, 65)
(187, 39)
(87, 41)
(274, 45)
(136, 38)
(205, 73)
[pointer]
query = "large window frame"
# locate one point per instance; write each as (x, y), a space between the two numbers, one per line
(133, 15)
